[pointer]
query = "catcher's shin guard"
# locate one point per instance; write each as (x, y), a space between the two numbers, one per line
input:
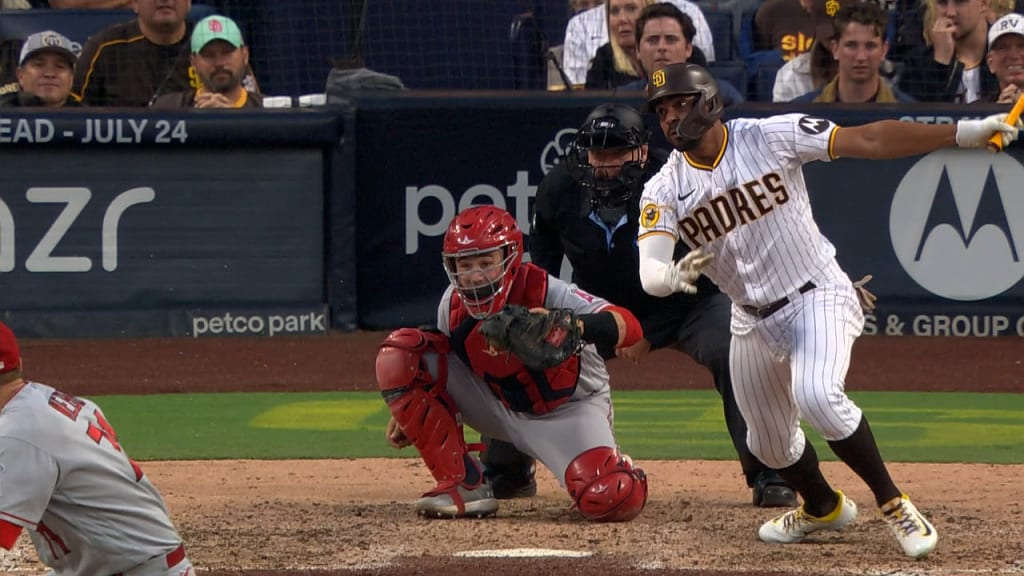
(605, 486)
(412, 370)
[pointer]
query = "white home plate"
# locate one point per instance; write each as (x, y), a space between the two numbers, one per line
(523, 553)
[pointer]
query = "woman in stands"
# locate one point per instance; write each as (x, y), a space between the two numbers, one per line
(616, 63)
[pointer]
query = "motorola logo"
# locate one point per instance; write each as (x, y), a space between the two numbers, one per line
(957, 223)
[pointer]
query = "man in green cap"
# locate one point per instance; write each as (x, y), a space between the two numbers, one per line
(220, 59)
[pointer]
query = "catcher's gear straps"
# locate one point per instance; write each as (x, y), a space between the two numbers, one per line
(605, 486)
(412, 370)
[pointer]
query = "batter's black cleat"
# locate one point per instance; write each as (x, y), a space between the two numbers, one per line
(771, 491)
(508, 485)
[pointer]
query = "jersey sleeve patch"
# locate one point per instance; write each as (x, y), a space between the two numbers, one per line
(813, 126)
(649, 215)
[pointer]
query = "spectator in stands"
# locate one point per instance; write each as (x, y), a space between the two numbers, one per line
(580, 5)
(786, 26)
(664, 35)
(588, 31)
(45, 71)
(136, 62)
(997, 9)
(99, 4)
(220, 59)
(1006, 58)
(951, 66)
(858, 45)
(808, 71)
(616, 62)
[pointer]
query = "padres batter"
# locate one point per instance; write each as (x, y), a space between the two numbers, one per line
(735, 194)
(65, 478)
(562, 416)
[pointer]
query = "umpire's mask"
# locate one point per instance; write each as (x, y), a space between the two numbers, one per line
(609, 128)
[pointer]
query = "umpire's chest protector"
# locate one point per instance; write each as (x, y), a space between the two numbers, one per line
(519, 388)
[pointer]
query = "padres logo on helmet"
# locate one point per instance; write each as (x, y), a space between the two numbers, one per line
(658, 78)
(649, 216)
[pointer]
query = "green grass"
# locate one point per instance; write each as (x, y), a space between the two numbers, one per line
(910, 427)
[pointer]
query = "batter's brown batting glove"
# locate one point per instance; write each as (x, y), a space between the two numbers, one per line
(867, 299)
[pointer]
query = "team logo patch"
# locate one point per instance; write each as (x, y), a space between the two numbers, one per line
(658, 78)
(812, 125)
(649, 216)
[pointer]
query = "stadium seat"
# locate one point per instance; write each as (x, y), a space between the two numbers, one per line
(720, 24)
(733, 71)
(766, 72)
(292, 49)
(77, 25)
(431, 45)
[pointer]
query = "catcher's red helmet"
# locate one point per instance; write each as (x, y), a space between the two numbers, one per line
(473, 232)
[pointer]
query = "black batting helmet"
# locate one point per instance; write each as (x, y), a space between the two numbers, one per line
(609, 126)
(684, 79)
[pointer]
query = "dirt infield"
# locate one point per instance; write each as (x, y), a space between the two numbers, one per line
(354, 517)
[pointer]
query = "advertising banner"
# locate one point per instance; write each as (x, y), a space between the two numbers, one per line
(145, 240)
(941, 234)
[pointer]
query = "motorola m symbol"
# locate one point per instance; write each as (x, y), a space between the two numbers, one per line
(990, 211)
(954, 223)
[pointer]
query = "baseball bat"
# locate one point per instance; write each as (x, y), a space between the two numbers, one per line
(995, 143)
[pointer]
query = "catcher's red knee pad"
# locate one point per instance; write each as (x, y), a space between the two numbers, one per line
(605, 486)
(411, 358)
(412, 372)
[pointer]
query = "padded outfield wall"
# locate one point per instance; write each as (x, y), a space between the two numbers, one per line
(116, 223)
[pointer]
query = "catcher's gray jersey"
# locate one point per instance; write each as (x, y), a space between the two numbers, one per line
(65, 478)
(555, 438)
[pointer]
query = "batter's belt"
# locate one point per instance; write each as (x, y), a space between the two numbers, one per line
(767, 310)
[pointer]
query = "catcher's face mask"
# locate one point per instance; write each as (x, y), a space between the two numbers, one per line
(479, 278)
(483, 249)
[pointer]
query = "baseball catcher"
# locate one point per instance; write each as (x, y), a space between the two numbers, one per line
(515, 357)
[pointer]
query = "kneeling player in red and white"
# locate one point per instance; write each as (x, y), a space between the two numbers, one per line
(67, 481)
(562, 416)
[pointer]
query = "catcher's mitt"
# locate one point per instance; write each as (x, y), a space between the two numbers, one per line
(540, 340)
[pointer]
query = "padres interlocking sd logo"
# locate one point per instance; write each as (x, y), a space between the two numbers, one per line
(658, 78)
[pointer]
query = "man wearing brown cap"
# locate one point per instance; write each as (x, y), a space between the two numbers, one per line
(45, 71)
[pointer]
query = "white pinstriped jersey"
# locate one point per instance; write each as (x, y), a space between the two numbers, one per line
(751, 209)
(588, 31)
(64, 477)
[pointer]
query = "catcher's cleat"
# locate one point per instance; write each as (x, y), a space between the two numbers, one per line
(914, 532)
(795, 525)
(458, 502)
(507, 486)
(771, 491)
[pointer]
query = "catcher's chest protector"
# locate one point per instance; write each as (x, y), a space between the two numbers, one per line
(519, 388)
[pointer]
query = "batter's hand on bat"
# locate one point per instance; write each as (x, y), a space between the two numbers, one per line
(976, 133)
(682, 276)
(396, 438)
(635, 353)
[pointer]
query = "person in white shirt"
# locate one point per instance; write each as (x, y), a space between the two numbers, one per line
(588, 31)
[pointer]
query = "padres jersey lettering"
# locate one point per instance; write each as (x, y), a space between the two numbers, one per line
(750, 209)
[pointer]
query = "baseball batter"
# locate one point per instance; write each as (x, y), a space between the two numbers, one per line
(562, 416)
(65, 478)
(734, 193)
